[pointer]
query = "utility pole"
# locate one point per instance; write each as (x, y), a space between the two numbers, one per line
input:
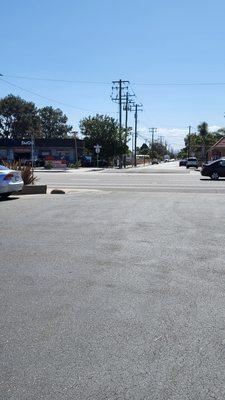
(119, 86)
(126, 110)
(76, 152)
(152, 131)
(135, 135)
(126, 126)
(127, 107)
(75, 146)
(161, 140)
(32, 157)
(120, 104)
(132, 148)
(137, 107)
(189, 139)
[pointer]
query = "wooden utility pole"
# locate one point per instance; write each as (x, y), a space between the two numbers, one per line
(138, 107)
(119, 98)
(189, 141)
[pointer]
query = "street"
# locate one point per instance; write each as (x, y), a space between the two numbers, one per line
(115, 290)
(168, 177)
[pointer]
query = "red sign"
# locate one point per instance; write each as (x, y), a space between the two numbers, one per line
(57, 163)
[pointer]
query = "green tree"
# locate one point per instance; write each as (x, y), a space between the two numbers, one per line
(199, 143)
(53, 123)
(159, 150)
(144, 149)
(18, 118)
(104, 130)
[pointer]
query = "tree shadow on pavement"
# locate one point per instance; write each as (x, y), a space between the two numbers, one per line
(9, 199)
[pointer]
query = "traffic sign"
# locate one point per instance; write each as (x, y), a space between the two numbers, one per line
(97, 148)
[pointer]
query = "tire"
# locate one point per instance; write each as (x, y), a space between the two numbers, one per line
(5, 195)
(215, 176)
(187, 167)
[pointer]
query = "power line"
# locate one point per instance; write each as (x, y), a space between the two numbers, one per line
(47, 98)
(55, 80)
(142, 137)
(179, 83)
(107, 83)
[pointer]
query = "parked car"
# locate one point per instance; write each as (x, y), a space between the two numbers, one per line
(155, 161)
(214, 169)
(87, 161)
(192, 162)
(10, 181)
(183, 163)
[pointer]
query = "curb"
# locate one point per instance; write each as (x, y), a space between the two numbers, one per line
(33, 189)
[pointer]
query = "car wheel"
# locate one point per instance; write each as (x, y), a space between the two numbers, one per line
(215, 176)
(4, 195)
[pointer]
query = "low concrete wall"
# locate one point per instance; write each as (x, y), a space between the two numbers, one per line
(33, 189)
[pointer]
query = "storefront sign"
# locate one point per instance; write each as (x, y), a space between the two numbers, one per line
(26, 143)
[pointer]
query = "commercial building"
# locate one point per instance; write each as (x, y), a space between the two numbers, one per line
(217, 150)
(43, 149)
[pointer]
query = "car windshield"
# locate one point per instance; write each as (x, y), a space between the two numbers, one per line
(192, 159)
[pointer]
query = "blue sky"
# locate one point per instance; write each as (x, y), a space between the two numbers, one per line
(100, 41)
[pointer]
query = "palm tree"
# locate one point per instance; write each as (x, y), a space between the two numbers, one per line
(203, 131)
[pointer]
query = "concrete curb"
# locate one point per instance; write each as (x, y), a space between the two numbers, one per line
(33, 189)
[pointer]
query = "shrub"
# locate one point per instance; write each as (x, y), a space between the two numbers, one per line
(48, 165)
(76, 165)
(27, 175)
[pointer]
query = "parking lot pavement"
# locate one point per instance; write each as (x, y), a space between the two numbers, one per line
(113, 295)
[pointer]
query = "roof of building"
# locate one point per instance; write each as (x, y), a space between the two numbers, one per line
(219, 144)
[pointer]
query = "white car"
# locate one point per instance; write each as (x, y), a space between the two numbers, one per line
(192, 162)
(10, 181)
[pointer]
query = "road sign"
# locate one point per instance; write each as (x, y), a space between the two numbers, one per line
(97, 148)
(97, 151)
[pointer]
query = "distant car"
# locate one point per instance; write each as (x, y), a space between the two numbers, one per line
(166, 158)
(87, 161)
(214, 169)
(192, 162)
(155, 161)
(183, 163)
(10, 181)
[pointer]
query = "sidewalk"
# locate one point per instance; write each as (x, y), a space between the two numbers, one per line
(68, 170)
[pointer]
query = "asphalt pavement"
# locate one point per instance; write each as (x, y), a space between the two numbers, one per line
(165, 177)
(114, 291)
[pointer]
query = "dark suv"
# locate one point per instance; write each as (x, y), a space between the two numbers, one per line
(214, 169)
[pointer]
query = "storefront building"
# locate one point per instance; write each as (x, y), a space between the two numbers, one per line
(70, 150)
(217, 150)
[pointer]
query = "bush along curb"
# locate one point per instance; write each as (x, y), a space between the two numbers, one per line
(33, 189)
